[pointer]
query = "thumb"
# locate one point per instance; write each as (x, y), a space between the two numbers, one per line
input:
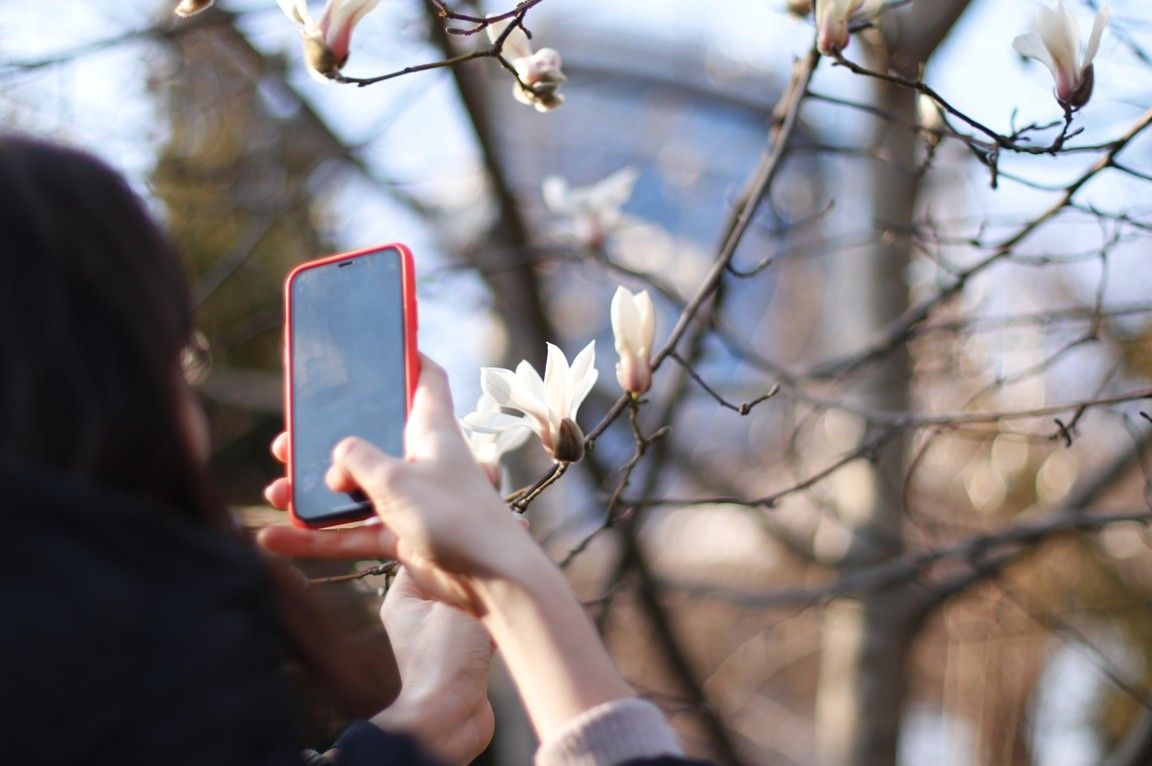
(357, 464)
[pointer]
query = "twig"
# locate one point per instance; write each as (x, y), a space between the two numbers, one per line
(743, 408)
(522, 498)
(899, 328)
(386, 568)
(889, 574)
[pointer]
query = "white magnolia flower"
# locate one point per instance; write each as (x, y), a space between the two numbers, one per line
(548, 405)
(633, 328)
(591, 213)
(538, 71)
(327, 42)
(489, 446)
(191, 7)
(832, 17)
(1055, 43)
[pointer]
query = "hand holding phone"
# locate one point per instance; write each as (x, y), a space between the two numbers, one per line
(351, 367)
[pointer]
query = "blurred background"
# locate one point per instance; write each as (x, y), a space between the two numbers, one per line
(930, 544)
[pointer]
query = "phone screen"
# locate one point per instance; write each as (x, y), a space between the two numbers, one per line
(348, 378)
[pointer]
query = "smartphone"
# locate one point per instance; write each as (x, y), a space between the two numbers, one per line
(350, 369)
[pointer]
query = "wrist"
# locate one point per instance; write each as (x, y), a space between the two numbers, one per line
(524, 575)
(440, 725)
(403, 716)
(549, 645)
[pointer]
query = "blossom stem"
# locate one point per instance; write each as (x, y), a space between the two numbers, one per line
(522, 498)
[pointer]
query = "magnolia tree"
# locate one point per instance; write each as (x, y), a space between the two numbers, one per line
(932, 507)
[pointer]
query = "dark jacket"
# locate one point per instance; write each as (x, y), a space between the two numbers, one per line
(129, 635)
(134, 637)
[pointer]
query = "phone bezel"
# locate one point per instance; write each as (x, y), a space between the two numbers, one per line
(411, 359)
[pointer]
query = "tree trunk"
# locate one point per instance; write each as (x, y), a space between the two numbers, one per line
(866, 640)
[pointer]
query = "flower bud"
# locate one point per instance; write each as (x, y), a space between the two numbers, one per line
(633, 329)
(192, 7)
(1055, 42)
(327, 42)
(539, 72)
(832, 17)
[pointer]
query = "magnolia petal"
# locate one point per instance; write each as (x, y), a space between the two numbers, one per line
(837, 9)
(485, 404)
(546, 102)
(557, 195)
(339, 19)
(590, 213)
(541, 70)
(1071, 25)
(1061, 39)
(192, 7)
(493, 422)
(521, 390)
(506, 432)
(615, 190)
(513, 437)
(633, 374)
(556, 382)
(296, 10)
(530, 390)
(582, 377)
(832, 29)
(522, 95)
(647, 321)
(625, 322)
(833, 36)
(497, 384)
(488, 448)
(338, 13)
(1097, 33)
(633, 326)
(1032, 46)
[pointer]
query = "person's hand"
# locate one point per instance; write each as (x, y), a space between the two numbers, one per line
(438, 514)
(440, 517)
(279, 492)
(443, 655)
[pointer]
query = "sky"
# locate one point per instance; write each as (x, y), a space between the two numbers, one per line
(413, 129)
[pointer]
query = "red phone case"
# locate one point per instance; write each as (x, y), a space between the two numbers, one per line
(411, 357)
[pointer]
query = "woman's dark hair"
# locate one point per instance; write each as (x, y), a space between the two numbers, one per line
(95, 311)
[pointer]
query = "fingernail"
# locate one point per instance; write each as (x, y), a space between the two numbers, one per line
(343, 448)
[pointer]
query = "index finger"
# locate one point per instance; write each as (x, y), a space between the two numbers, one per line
(364, 542)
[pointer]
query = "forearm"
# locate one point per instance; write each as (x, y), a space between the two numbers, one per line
(551, 648)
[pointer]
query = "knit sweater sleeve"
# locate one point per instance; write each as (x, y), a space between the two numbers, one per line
(613, 733)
